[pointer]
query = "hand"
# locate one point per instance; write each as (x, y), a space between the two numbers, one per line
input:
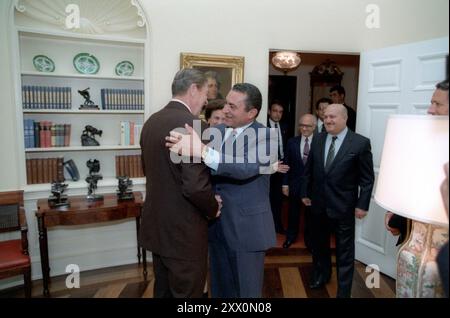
(285, 190)
(282, 168)
(444, 188)
(306, 201)
(188, 144)
(360, 213)
(387, 218)
(219, 201)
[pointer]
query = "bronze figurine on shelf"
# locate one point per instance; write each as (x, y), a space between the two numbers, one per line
(88, 103)
(92, 179)
(88, 136)
(124, 192)
(58, 199)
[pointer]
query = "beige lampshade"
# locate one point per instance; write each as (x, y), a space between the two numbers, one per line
(411, 170)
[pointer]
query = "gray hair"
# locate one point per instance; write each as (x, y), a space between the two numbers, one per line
(185, 78)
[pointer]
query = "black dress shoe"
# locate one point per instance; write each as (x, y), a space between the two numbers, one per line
(287, 243)
(205, 295)
(319, 282)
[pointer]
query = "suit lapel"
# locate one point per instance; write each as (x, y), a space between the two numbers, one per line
(345, 147)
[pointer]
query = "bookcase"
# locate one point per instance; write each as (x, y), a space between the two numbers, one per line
(66, 81)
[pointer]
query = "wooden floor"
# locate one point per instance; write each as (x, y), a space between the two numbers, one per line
(286, 275)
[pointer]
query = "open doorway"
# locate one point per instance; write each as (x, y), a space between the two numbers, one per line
(300, 89)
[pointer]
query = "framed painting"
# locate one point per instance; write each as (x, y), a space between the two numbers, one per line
(226, 70)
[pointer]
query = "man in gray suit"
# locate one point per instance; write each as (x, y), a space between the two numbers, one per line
(240, 165)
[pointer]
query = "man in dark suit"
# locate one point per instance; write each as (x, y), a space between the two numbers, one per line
(179, 196)
(338, 184)
(240, 167)
(321, 105)
(296, 157)
(337, 95)
(275, 113)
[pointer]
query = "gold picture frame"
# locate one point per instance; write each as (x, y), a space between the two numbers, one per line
(229, 69)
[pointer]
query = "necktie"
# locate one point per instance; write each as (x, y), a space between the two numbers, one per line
(280, 156)
(330, 155)
(305, 151)
(323, 128)
(228, 143)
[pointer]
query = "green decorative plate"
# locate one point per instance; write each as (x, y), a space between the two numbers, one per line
(125, 68)
(43, 63)
(86, 63)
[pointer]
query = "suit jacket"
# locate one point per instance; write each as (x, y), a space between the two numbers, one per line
(179, 197)
(349, 181)
(293, 158)
(284, 133)
(246, 220)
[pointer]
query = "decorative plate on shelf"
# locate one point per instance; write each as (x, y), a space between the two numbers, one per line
(125, 68)
(86, 63)
(43, 63)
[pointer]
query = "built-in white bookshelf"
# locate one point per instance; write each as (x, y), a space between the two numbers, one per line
(61, 47)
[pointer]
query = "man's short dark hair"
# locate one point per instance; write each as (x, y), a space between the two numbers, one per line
(443, 86)
(339, 89)
(254, 97)
(276, 102)
(323, 100)
(185, 78)
(213, 106)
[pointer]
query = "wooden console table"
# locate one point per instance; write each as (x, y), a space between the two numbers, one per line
(82, 211)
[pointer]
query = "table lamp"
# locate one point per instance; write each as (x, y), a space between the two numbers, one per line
(416, 147)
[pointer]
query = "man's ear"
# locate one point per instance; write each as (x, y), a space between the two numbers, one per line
(253, 113)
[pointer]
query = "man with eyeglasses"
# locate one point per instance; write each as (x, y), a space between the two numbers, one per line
(296, 157)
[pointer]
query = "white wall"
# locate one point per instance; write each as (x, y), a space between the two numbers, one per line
(9, 170)
(248, 28)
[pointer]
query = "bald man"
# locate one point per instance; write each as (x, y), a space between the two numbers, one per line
(296, 156)
(338, 183)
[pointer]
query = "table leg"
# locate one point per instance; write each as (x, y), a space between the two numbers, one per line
(138, 225)
(144, 260)
(43, 248)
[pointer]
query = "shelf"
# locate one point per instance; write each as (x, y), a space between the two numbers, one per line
(76, 75)
(76, 111)
(80, 184)
(51, 34)
(82, 148)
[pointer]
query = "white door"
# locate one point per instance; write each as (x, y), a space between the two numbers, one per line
(395, 80)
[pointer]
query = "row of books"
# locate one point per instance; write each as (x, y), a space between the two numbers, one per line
(130, 166)
(130, 133)
(122, 99)
(46, 97)
(45, 170)
(45, 134)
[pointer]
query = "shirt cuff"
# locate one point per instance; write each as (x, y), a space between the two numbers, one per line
(212, 158)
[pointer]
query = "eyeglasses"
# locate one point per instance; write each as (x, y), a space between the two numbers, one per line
(305, 126)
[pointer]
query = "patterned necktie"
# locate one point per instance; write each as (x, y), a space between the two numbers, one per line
(330, 155)
(305, 151)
